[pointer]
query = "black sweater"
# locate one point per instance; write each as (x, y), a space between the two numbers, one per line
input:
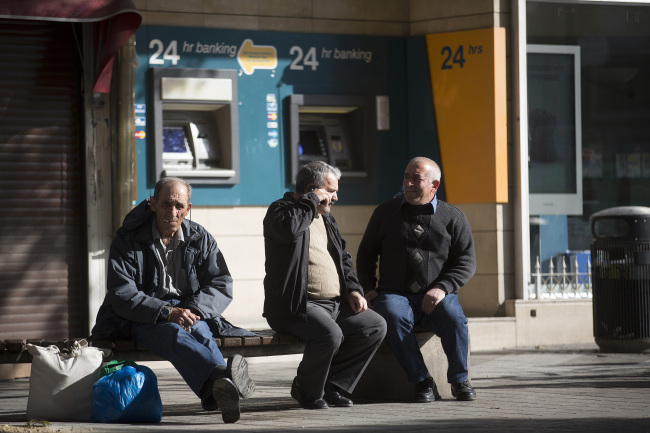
(451, 264)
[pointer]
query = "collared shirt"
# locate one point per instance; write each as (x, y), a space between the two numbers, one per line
(433, 202)
(169, 259)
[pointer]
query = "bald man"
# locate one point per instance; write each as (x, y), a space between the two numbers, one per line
(427, 255)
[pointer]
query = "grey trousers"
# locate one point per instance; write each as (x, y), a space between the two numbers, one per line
(339, 344)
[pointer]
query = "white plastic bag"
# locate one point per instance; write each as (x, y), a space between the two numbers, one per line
(61, 383)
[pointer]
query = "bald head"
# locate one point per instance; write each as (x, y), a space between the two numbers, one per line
(421, 180)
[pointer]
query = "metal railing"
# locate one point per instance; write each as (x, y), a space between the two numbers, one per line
(564, 284)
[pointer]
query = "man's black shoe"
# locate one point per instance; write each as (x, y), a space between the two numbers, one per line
(306, 402)
(227, 396)
(237, 371)
(334, 398)
(463, 391)
(209, 404)
(426, 391)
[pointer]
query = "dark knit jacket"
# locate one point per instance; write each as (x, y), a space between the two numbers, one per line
(451, 264)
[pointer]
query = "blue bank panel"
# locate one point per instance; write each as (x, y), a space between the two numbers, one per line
(306, 64)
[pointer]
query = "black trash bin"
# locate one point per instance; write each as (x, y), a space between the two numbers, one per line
(620, 257)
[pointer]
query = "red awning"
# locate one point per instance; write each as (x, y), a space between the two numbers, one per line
(114, 22)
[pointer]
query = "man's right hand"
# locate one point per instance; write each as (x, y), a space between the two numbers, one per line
(370, 297)
(322, 195)
(183, 317)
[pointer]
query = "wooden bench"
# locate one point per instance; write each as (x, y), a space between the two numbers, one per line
(384, 379)
(266, 343)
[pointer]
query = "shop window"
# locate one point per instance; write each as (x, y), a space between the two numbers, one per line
(554, 130)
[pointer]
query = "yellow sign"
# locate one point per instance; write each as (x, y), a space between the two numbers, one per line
(468, 80)
(251, 57)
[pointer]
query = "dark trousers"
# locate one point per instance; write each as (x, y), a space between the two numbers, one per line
(339, 344)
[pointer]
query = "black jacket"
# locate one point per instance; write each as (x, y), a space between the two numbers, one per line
(286, 244)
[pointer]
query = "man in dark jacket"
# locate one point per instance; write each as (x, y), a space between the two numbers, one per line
(426, 253)
(311, 291)
(166, 279)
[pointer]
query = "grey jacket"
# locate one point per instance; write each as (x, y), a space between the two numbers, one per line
(134, 278)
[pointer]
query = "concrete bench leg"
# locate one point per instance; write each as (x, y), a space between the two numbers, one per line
(384, 378)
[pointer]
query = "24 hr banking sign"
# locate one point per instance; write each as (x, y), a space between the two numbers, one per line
(253, 51)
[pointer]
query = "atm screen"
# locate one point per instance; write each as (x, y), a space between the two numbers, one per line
(175, 139)
(177, 151)
(311, 143)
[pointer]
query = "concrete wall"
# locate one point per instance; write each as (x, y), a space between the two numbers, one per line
(552, 323)
(438, 16)
(535, 325)
(493, 283)
(366, 17)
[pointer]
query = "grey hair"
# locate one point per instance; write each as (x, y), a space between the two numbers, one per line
(433, 168)
(314, 173)
(171, 180)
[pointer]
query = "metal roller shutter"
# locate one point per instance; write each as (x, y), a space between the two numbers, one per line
(42, 230)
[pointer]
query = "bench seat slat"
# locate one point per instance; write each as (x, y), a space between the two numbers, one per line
(252, 341)
(266, 343)
(231, 341)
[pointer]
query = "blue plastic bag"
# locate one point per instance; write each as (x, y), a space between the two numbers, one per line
(129, 395)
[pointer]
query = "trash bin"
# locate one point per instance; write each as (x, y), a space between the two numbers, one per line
(620, 258)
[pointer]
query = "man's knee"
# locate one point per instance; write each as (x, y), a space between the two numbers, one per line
(379, 328)
(450, 311)
(327, 342)
(201, 331)
(335, 339)
(393, 317)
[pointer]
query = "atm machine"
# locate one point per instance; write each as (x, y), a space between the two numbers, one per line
(194, 123)
(332, 128)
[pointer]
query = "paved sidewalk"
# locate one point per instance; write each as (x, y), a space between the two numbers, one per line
(518, 391)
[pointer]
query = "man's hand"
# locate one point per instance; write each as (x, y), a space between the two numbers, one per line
(357, 302)
(183, 317)
(431, 299)
(370, 297)
(323, 195)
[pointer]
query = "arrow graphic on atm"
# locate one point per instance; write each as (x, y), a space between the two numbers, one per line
(251, 57)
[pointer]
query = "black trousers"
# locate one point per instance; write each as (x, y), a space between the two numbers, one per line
(339, 344)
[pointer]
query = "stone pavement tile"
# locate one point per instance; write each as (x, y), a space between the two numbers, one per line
(536, 391)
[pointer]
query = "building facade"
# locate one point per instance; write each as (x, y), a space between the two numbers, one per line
(534, 109)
